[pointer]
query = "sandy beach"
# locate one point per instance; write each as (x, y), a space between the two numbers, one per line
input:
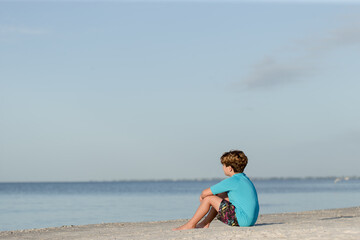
(321, 224)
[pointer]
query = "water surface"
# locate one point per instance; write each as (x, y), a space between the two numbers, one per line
(40, 205)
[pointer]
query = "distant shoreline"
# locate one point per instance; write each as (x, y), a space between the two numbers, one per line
(195, 179)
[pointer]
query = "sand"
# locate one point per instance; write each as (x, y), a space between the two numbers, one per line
(320, 224)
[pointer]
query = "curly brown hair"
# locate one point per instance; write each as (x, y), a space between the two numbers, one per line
(236, 159)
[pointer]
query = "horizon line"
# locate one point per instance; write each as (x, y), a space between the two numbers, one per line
(190, 179)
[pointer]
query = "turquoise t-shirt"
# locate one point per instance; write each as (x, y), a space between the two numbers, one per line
(242, 194)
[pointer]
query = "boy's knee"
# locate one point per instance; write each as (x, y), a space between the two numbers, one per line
(209, 199)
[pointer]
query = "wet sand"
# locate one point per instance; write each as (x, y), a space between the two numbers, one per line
(321, 224)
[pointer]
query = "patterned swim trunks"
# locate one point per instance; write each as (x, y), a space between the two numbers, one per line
(227, 214)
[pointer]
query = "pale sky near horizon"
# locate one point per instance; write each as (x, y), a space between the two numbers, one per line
(119, 90)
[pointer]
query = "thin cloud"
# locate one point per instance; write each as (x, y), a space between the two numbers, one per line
(337, 38)
(269, 72)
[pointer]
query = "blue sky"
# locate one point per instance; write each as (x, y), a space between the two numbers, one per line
(152, 90)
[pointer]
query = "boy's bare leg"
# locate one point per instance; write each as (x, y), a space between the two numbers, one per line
(205, 223)
(202, 210)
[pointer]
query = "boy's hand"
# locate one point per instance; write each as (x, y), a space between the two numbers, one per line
(205, 193)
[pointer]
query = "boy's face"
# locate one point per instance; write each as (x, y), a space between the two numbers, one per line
(227, 170)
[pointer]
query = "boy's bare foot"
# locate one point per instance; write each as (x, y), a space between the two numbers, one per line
(184, 227)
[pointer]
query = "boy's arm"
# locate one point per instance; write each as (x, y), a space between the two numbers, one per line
(205, 193)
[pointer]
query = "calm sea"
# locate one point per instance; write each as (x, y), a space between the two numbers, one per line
(40, 205)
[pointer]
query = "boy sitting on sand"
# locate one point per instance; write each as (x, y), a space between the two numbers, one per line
(234, 200)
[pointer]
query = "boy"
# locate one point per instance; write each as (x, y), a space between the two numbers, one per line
(234, 200)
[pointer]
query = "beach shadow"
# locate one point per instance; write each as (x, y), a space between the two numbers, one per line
(266, 224)
(332, 218)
